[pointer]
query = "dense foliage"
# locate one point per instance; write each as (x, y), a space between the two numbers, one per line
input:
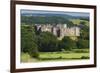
(28, 43)
(45, 20)
(32, 43)
(67, 43)
(83, 40)
(47, 42)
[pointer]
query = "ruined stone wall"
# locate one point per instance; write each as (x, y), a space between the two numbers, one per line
(60, 30)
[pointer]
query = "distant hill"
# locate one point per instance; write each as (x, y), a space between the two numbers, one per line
(50, 15)
(47, 18)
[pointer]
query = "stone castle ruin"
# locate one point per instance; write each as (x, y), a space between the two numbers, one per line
(59, 30)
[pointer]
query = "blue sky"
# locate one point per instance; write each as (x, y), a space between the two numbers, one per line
(55, 12)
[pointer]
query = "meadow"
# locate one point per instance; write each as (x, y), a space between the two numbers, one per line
(78, 21)
(75, 54)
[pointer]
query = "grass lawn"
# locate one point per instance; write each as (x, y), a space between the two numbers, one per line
(51, 56)
(25, 57)
(63, 56)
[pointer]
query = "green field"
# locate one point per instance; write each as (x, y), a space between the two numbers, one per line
(51, 56)
(77, 21)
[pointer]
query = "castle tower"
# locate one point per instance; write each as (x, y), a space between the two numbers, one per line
(65, 25)
(54, 31)
(77, 31)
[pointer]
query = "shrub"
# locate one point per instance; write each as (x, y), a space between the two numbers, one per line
(83, 43)
(67, 43)
(60, 57)
(25, 57)
(84, 57)
(34, 53)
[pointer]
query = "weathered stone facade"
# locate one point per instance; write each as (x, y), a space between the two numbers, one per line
(59, 30)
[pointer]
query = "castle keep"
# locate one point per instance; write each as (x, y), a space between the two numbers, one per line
(59, 30)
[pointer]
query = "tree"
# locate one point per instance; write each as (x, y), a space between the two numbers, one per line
(45, 20)
(47, 42)
(82, 22)
(83, 40)
(84, 33)
(67, 43)
(81, 43)
(28, 43)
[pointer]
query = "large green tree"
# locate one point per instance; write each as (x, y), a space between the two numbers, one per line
(47, 42)
(67, 43)
(83, 40)
(28, 43)
(84, 32)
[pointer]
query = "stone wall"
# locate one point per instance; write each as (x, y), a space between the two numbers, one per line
(59, 30)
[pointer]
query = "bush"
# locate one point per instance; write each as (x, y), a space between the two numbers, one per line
(83, 43)
(34, 53)
(84, 57)
(81, 50)
(60, 57)
(25, 57)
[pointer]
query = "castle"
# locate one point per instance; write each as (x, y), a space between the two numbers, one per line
(59, 30)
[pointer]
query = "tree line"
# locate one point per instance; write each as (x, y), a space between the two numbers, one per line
(45, 20)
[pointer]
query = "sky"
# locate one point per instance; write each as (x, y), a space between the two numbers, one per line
(55, 12)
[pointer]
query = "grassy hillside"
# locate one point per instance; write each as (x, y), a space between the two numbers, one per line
(77, 21)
